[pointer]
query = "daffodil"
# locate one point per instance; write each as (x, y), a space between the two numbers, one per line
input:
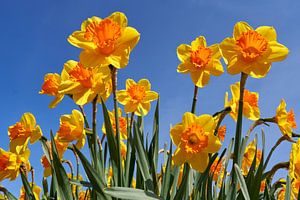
(200, 61)
(46, 165)
(249, 155)
(10, 163)
(50, 87)
(106, 41)
(84, 84)
(137, 96)
(250, 108)
(252, 51)
(217, 171)
(122, 124)
(285, 120)
(195, 139)
(25, 129)
(35, 189)
(72, 129)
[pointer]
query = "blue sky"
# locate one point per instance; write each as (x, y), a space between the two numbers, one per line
(33, 41)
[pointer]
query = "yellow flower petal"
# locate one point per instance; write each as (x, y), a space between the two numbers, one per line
(119, 18)
(143, 109)
(122, 97)
(207, 122)
(267, 32)
(130, 107)
(216, 68)
(56, 100)
(199, 161)
(200, 78)
(199, 41)
(145, 83)
(184, 52)
(92, 58)
(183, 68)
(239, 28)
(278, 52)
(179, 157)
(214, 144)
(150, 96)
(175, 133)
(129, 83)
(188, 119)
(229, 49)
(258, 70)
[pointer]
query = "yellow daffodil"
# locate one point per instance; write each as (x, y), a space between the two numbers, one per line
(250, 109)
(294, 166)
(252, 51)
(123, 150)
(50, 87)
(105, 41)
(249, 155)
(294, 190)
(217, 170)
(72, 129)
(122, 124)
(137, 96)
(285, 120)
(46, 166)
(23, 130)
(10, 163)
(195, 139)
(200, 61)
(84, 84)
(35, 189)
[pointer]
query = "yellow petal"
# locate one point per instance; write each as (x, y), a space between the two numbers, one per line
(235, 65)
(215, 68)
(239, 28)
(90, 20)
(228, 49)
(188, 119)
(143, 109)
(183, 68)
(36, 134)
(235, 91)
(130, 82)
(145, 83)
(258, 70)
(69, 65)
(84, 97)
(56, 101)
(200, 78)
(92, 59)
(199, 161)
(28, 120)
(278, 52)
(130, 107)
(70, 87)
(214, 144)
(150, 96)
(179, 157)
(119, 18)
(184, 52)
(199, 41)
(207, 122)
(175, 133)
(77, 39)
(267, 32)
(129, 38)
(122, 97)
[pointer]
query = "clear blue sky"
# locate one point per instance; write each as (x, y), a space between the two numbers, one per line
(33, 43)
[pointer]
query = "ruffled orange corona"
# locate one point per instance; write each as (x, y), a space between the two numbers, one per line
(137, 97)
(106, 41)
(200, 61)
(250, 109)
(195, 139)
(252, 51)
(285, 120)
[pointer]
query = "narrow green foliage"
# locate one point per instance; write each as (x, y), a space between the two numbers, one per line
(131, 193)
(28, 191)
(167, 176)
(242, 182)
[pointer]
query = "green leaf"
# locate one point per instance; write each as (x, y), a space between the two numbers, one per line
(96, 181)
(242, 182)
(131, 193)
(142, 160)
(63, 188)
(288, 188)
(27, 187)
(8, 195)
(167, 176)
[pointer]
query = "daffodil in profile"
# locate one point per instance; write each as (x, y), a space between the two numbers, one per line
(122, 124)
(285, 120)
(249, 156)
(72, 129)
(50, 87)
(195, 139)
(252, 51)
(20, 132)
(84, 84)
(137, 96)
(106, 41)
(200, 61)
(250, 109)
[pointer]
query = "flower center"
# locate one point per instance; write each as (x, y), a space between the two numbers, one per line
(104, 35)
(201, 57)
(67, 132)
(291, 118)
(250, 98)
(137, 92)
(252, 45)
(18, 131)
(194, 139)
(50, 85)
(82, 75)
(4, 160)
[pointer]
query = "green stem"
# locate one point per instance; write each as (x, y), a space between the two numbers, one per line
(194, 99)
(238, 134)
(114, 91)
(94, 130)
